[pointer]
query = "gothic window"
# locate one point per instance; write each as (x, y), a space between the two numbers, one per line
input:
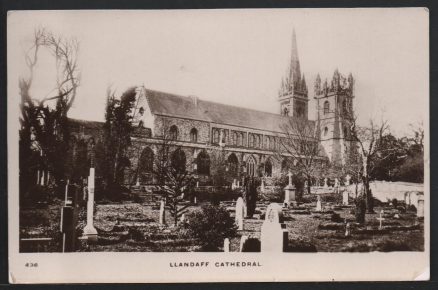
(285, 111)
(326, 107)
(268, 168)
(268, 141)
(233, 164)
(173, 132)
(145, 164)
(215, 136)
(178, 161)
(235, 137)
(325, 131)
(345, 107)
(194, 135)
(250, 166)
(203, 163)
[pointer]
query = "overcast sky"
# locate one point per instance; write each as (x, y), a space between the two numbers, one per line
(237, 57)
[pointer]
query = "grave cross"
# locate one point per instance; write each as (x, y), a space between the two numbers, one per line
(380, 219)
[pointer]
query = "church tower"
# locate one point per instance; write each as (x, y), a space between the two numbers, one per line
(334, 106)
(292, 95)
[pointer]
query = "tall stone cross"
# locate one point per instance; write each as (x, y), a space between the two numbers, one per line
(290, 177)
(380, 219)
(90, 231)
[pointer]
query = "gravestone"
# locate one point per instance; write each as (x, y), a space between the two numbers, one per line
(325, 183)
(240, 213)
(345, 197)
(242, 242)
(274, 236)
(90, 231)
(347, 230)
(183, 218)
(318, 204)
(381, 219)
(162, 219)
(227, 245)
(289, 192)
(262, 186)
(420, 206)
(347, 180)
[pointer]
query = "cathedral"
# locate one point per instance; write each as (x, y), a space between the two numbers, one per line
(249, 139)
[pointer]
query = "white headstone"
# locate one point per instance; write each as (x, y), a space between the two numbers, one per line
(290, 178)
(42, 178)
(162, 220)
(345, 197)
(240, 213)
(262, 187)
(183, 218)
(325, 183)
(89, 231)
(420, 206)
(318, 204)
(226, 245)
(347, 230)
(273, 236)
(137, 182)
(242, 242)
(195, 201)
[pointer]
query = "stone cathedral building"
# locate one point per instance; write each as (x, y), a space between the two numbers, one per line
(248, 138)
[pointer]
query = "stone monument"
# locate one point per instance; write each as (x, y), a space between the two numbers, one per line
(226, 245)
(90, 231)
(162, 219)
(345, 196)
(318, 204)
(289, 192)
(420, 205)
(274, 236)
(240, 213)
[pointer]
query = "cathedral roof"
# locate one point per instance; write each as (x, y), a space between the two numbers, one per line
(193, 108)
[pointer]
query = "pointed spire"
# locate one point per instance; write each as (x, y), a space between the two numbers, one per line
(303, 84)
(317, 87)
(295, 71)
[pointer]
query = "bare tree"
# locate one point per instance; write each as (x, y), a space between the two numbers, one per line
(299, 146)
(48, 126)
(369, 140)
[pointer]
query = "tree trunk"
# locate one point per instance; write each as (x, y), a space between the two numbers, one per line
(366, 186)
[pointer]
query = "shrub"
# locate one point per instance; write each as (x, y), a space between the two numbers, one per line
(210, 226)
(394, 202)
(251, 245)
(335, 217)
(360, 209)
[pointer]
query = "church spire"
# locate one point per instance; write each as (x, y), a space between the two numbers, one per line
(295, 71)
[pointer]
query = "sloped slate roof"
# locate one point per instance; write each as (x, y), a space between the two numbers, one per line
(181, 106)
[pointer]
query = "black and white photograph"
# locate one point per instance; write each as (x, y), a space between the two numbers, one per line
(182, 138)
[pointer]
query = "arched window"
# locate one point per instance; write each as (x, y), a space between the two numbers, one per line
(235, 138)
(203, 163)
(268, 168)
(250, 166)
(145, 165)
(233, 164)
(178, 160)
(268, 143)
(326, 107)
(194, 135)
(345, 106)
(325, 131)
(173, 132)
(215, 136)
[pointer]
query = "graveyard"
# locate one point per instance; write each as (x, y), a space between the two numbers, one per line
(323, 221)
